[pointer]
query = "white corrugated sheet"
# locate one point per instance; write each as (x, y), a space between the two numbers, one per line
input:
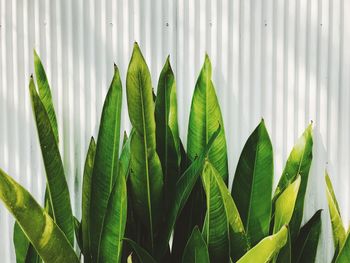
(287, 61)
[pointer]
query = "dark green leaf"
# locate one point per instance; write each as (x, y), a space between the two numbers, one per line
(106, 160)
(56, 181)
(21, 243)
(114, 224)
(305, 246)
(141, 253)
(252, 184)
(86, 201)
(196, 250)
(183, 189)
(167, 132)
(146, 175)
(45, 93)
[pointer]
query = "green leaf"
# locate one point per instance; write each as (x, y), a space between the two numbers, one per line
(204, 118)
(56, 181)
(252, 184)
(216, 226)
(141, 253)
(223, 229)
(196, 250)
(86, 201)
(106, 160)
(46, 237)
(339, 234)
(284, 205)
(299, 162)
(285, 254)
(305, 246)
(182, 192)
(45, 93)
(146, 176)
(124, 159)
(267, 248)
(167, 132)
(114, 224)
(78, 233)
(25, 252)
(21, 243)
(344, 254)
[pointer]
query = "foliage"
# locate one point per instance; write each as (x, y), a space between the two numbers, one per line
(139, 193)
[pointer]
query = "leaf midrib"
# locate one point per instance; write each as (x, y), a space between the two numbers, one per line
(253, 180)
(139, 78)
(110, 182)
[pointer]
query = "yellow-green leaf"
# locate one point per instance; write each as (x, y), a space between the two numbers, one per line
(267, 248)
(223, 229)
(339, 234)
(298, 163)
(284, 205)
(47, 238)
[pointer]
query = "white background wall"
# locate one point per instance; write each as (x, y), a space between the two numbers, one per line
(285, 60)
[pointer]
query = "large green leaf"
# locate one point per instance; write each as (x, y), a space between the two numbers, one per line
(204, 118)
(216, 227)
(25, 251)
(196, 250)
(106, 159)
(339, 234)
(47, 238)
(299, 162)
(45, 93)
(267, 248)
(21, 243)
(305, 246)
(223, 229)
(344, 254)
(56, 181)
(167, 133)
(146, 176)
(252, 184)
(182, 192)
(86, 201)
(114, 224)
(140, 252)
(284, 205)
(205, 115)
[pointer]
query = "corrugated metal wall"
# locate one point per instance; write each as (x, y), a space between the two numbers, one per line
(287, 61)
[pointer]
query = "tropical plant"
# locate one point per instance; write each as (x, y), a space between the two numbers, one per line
(341, 238)
(147, 199)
